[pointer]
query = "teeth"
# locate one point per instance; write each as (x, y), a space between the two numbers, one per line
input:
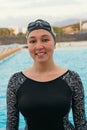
(41, 53)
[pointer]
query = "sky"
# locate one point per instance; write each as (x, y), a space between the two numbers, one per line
(21, 12)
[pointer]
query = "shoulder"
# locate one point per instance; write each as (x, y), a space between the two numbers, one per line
(70, 74)
(72, 78)
(75, 76)
(16, 80)
(16, 76)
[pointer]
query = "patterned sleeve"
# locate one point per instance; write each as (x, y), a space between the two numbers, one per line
(78, 105)
(12, 106)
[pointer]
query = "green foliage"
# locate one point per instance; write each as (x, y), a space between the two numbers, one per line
(6, 32)
(57, 30)
(21, 34)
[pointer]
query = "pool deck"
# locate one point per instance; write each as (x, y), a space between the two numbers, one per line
(8, 51)
(71, 47)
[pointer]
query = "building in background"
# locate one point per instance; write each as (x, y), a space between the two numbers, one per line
(84, 26)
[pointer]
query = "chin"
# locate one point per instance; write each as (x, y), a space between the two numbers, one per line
(42, 61)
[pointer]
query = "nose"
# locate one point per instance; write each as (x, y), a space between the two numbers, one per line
(39, 45)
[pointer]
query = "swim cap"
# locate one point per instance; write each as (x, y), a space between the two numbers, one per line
(40, 24)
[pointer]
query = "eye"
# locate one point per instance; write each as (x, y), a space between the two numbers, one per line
(32, 41)
(45, 40)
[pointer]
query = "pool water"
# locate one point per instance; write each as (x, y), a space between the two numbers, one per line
(74, 59)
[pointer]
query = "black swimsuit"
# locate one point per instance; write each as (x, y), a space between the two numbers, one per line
(46, 105)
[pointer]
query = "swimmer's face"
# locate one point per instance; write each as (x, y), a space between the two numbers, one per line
(40, 45)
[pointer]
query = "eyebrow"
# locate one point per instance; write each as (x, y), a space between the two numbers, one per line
(31, 37)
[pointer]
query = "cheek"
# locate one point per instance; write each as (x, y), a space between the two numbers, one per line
(30, 48)
(50, 47)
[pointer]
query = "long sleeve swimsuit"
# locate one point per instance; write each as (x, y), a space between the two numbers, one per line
(46, 105)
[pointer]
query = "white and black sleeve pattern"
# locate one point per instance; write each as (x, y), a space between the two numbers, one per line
(12, 107)
(78, 105)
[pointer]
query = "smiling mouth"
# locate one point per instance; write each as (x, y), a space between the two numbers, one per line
(40, 53)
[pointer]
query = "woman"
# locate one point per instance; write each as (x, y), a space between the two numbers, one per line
(45, 92)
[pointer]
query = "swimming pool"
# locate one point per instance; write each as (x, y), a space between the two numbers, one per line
(74, 59)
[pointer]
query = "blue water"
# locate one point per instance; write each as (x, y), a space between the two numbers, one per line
(74, 59)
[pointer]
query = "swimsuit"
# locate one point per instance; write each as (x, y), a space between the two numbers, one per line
(46, 105)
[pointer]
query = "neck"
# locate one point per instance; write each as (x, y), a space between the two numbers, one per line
(43, 67)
